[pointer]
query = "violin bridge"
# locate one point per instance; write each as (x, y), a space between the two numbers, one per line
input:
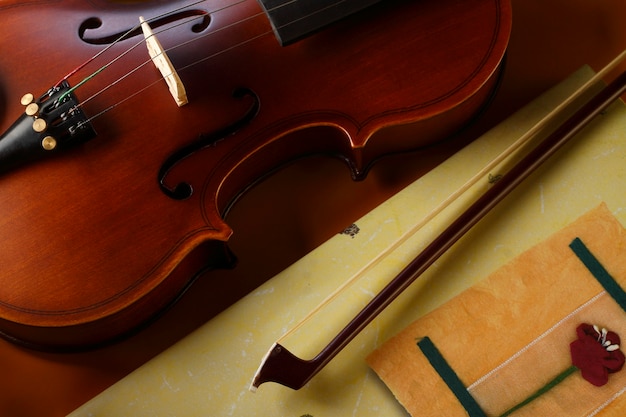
(163, 63)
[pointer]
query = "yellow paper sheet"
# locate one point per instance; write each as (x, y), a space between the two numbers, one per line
(208, 373)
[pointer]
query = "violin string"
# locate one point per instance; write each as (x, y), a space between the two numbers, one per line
(142, 41)
(137, 44)
(291, 22)
(117, 58)
(256, 36)
(99, 70)
(222, 51)
(122, 37)
(230, 48)
(149, 60)
(111, 107)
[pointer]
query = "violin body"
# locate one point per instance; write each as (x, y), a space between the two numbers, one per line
(98, 239)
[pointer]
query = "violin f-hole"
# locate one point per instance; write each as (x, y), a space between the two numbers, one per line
(184, 190)
(90, 29)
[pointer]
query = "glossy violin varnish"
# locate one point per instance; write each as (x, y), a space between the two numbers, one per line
(101, 236)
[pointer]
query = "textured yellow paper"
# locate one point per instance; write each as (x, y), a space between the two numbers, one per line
(209, 372)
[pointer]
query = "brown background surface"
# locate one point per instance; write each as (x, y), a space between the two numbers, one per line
(303, 205)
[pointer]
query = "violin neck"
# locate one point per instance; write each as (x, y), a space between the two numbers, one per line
(294, 20)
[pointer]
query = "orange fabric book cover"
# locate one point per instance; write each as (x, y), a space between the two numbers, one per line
(504, 346)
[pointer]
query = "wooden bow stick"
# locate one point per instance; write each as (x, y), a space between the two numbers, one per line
(282, 366)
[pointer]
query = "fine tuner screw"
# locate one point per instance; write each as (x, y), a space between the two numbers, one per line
(32, 109)
(39, 125)
(49, 143)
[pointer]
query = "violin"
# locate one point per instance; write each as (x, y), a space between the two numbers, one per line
(114, 196)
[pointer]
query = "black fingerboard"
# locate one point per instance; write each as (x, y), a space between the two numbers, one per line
(293, 20)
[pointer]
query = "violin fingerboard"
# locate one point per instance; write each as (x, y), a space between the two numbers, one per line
(294, 20)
